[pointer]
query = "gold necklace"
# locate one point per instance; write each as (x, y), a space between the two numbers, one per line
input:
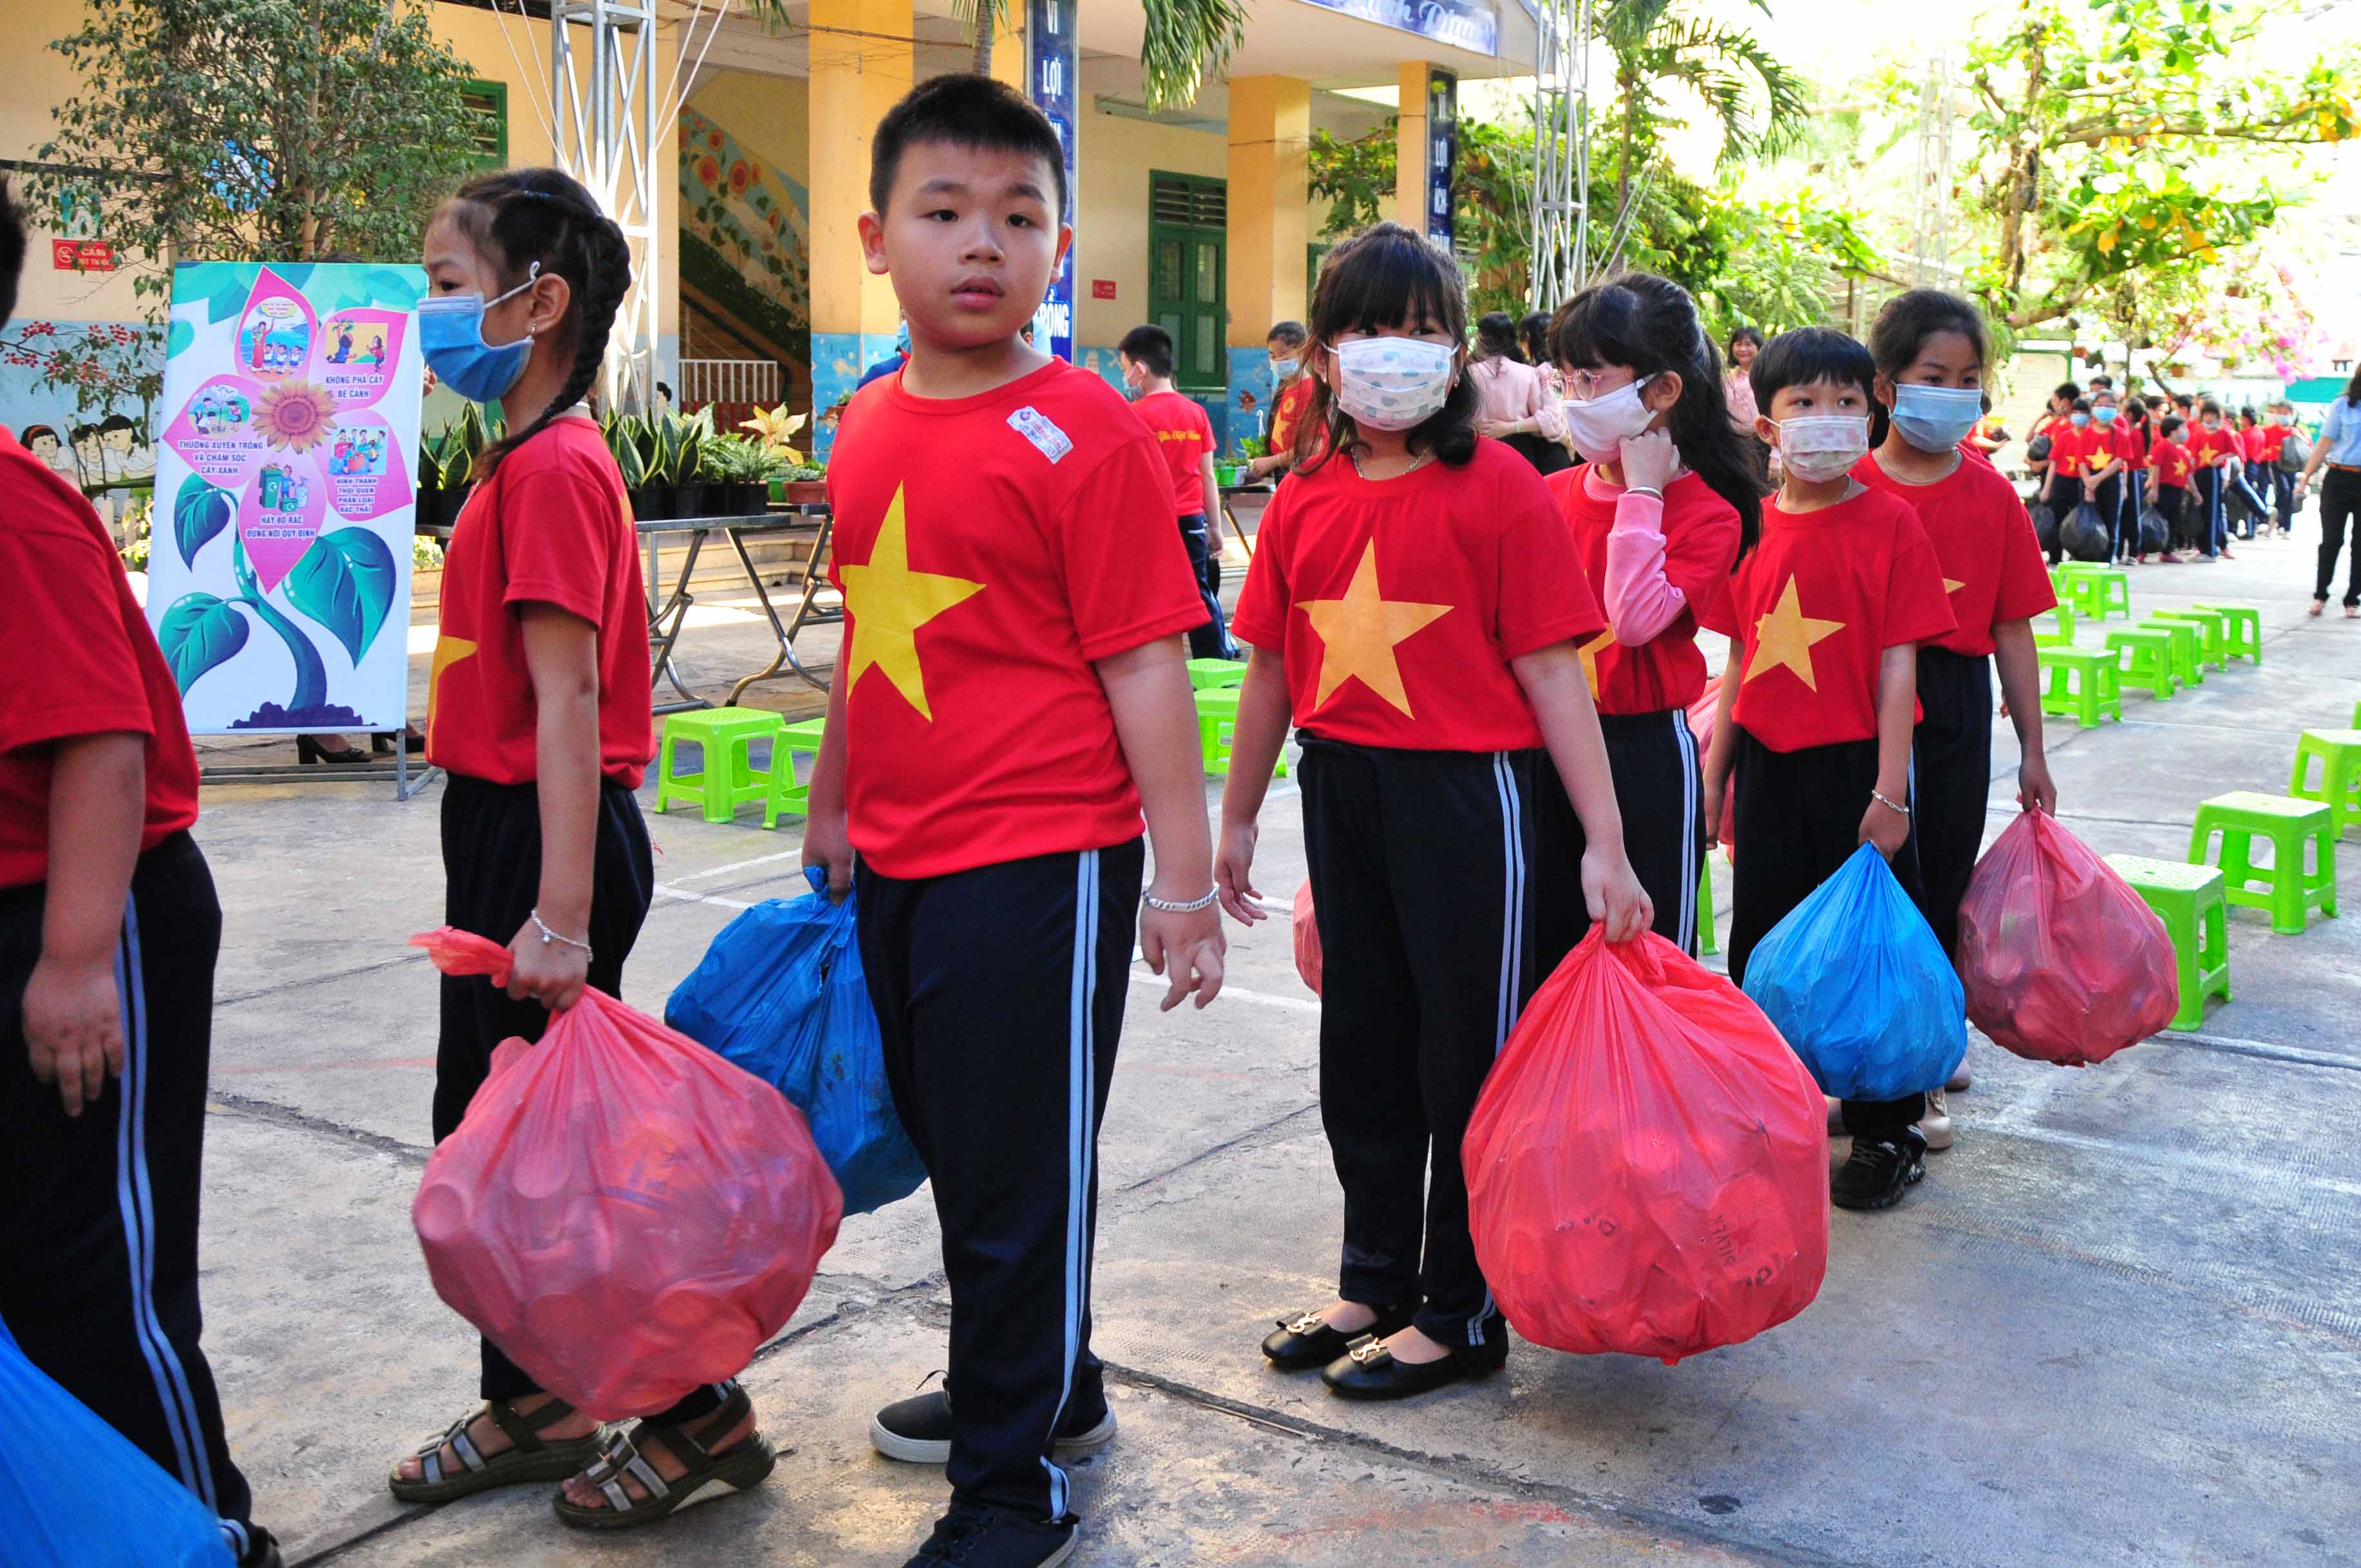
(1415, 465)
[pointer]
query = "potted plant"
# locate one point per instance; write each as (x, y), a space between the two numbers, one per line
(774, 430)
(625, 435)
(739, 468)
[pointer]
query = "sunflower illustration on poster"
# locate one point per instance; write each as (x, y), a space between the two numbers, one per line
(284, 494)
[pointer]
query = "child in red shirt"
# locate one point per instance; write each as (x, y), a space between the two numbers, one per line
(538, 711)
(1011, 696)
(109, 929)
(1819, 700)
(1671, 499)
(1290, 394)
(2212, 450)
(2274, 480)
(1184, 439)
(1930, 350)
(2077, 451)
(2167, 481)
(1414, 607)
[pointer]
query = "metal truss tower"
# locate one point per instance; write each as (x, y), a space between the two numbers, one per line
(1561, 199)
(1930, 229)
(603, 96)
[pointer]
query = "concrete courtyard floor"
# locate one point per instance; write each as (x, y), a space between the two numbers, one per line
(2119, 1324)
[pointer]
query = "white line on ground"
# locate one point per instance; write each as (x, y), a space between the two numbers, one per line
(685, 897)
(740, 865)
(2240, 1169)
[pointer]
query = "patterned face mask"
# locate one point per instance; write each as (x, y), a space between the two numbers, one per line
(1393, 383)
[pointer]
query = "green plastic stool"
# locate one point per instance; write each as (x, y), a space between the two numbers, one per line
(2339, 753)
(2069, 578)
(1207, 675)
(2083, 684)
(2211, 624)
(2060, 632)
(2148, 663)
(2283, 887)
(1706, 941)
(2196, 916)
(2242, 631)
(727, 777)
(781, 790)
(1217, 722)
(2188, 641)
(2096, 591)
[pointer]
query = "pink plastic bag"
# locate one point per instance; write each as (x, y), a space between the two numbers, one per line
(623, 1212)
(1648, 1164)
(2061, 960)
(1307, 938)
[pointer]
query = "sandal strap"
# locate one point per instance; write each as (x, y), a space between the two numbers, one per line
(693, 1435)
(621, 1458)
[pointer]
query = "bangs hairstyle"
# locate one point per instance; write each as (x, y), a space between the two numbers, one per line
(1909, 319)
(1744, 335)
(1806, 354)
(517, 216)
(1387, 277)
(1650, 324)
(973, 112)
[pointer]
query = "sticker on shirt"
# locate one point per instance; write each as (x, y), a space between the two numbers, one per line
(1035, 426)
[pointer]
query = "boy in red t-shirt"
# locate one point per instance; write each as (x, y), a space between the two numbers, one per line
(2211, 449)
(1820, 698)
(2167, 472)
(1010, 697)
(2079, 452)
(109, 928)
(1184, 439)
(2272, 479)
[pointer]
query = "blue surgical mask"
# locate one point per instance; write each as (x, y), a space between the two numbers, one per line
(1936, 419)
(451, 335)
(1280, 369)
(2104, 416)
(2079, 421)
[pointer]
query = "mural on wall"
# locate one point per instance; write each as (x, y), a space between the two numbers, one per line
(71, 392)
(745, 239)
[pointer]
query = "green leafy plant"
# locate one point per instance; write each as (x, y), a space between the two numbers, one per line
(736, 460)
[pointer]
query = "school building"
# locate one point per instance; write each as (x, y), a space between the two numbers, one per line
(1198, 218)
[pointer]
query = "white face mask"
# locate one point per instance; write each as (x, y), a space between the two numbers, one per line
(1280, 369)
(1600, 425)
(1392, 383)
(1816, 448)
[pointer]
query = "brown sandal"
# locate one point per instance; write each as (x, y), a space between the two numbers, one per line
(708, 1475)
(529, 1457)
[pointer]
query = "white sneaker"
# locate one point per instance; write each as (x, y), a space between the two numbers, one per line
(1935, 1124)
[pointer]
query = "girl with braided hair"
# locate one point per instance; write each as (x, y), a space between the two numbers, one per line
(538, 710)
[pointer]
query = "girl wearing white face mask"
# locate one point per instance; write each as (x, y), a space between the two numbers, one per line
(1670, 500)
(1826, 614)
(1414, 606)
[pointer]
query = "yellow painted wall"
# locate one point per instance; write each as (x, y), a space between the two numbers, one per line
(769, 115)
(1115, 155)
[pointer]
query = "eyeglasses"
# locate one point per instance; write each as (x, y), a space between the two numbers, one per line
(1437, 339)
(1585, 385)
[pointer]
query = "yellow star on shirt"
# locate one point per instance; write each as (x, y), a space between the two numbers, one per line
(448, 650)
(889, 602)
(1952, 585)
(1786, 635)
(1590, 652)
(1359, 632)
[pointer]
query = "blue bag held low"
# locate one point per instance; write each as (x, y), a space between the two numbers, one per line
(1855, 981)
(74, 1492)
(780, 994)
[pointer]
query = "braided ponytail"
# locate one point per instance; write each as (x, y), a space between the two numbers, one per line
(517, 216)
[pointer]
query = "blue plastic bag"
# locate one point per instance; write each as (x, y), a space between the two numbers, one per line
(780, 994)
(74, 1492)
(1856, 981)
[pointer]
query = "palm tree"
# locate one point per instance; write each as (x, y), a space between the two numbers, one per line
(1663, 44)
(1185, 41)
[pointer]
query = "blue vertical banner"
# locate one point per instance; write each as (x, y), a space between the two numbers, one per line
(1052, 78)
(1442, 152)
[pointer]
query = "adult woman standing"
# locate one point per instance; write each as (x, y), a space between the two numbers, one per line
(2339, 451)
(1736, 390)
(1512, 398)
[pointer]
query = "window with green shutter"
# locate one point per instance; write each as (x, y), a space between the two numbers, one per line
(1189, 275)
(487, 121)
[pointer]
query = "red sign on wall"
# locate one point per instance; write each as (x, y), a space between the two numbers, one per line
(1101, 287)
(81, 256)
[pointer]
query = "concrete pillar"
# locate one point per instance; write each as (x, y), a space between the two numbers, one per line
(1269, 232)
(1410, 148)
(860, 65)
(1008, 45)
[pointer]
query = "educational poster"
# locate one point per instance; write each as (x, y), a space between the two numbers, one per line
(278, 568)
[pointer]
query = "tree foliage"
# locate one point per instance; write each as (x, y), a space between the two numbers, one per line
(1662, 48)
(1182, 42)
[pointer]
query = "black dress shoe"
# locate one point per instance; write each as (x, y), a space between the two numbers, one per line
(1368, 1371)
(1305, 1341)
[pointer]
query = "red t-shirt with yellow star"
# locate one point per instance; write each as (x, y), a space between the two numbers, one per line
(2075, 452)
(551, 526)
(1984, 544)
(1287, 412)
(1398, 603)
(1814, 607)
(2208, 447)
(1701, 538)
(990, 549)
(2171, 460)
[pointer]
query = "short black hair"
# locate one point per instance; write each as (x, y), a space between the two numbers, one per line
(1909, 319)
(2247, 414)
(1534, 331)
(1151, 347)
(968, 111)
(2082, 405)
(1806, 355)
(115, 421)
(1292, 333)
(2173, 425)
(2184, 399)
(2070, 390)
(2102, 381)
(2210, 407)
(35, 432)
(12, 251)
(1744, 335)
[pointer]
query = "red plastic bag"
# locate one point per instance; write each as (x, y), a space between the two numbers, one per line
(1648, 1165)
(1307, 938)
(623, 1212)
(2061, 960)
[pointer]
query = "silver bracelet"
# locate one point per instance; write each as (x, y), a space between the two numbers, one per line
(1890, 806)
(548, 936)
(1168, 906)
(1643, 490)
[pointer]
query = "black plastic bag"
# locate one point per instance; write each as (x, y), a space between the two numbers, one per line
(2155, 534)
(2086, 537)
(2044, 524)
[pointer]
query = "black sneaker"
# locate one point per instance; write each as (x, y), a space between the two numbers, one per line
(1879, 1173)
(917, 1430)
(972, 1537)
(261, 1550)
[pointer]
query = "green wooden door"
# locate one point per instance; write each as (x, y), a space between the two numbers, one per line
(1188, 275)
